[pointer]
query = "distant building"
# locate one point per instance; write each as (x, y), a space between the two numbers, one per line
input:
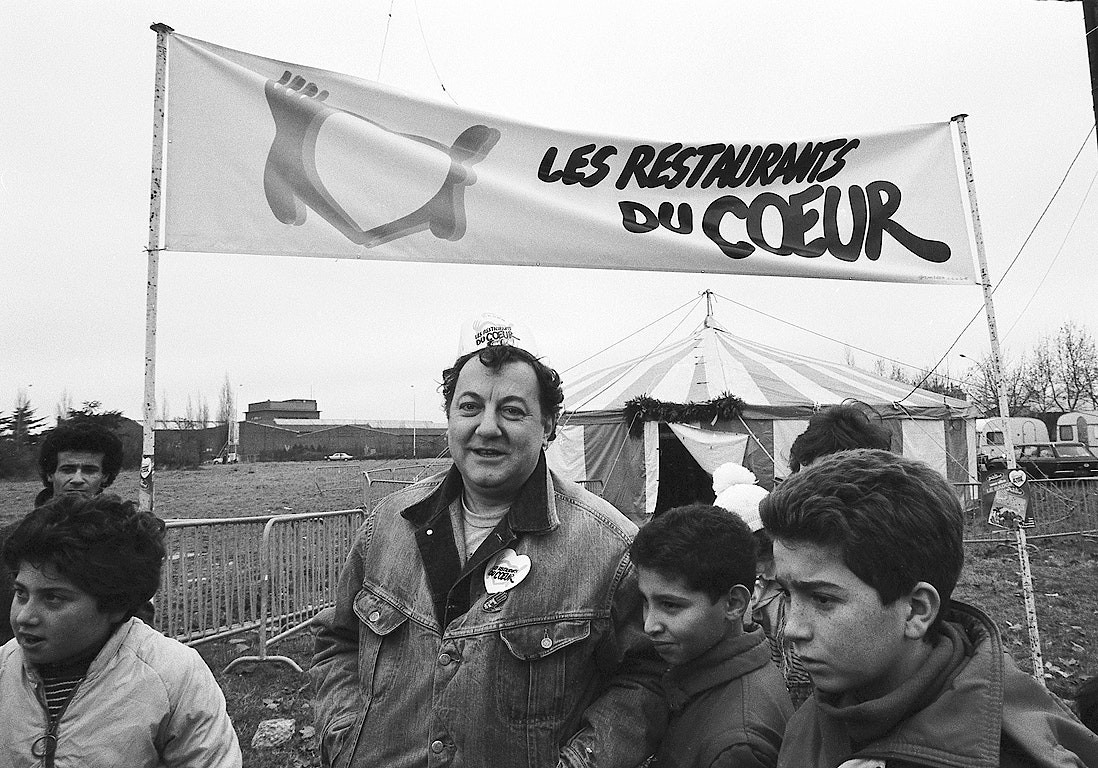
(269, 410)
(292, 430)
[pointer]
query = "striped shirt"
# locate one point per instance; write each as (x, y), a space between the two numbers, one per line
(59, 691)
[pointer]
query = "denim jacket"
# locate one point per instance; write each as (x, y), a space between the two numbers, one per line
(417, 666)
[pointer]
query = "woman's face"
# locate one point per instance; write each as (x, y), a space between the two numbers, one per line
(495, 428)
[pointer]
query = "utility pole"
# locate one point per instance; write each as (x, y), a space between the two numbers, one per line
(1090, 24)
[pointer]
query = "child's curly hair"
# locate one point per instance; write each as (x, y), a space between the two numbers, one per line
(103, 545)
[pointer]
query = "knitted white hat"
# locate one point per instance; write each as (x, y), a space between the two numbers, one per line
(736, 491)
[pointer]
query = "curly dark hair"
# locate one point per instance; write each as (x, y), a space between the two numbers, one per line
(550, 392)
(80, 437)
(894, 521)
(104, 545)
(838, 428)
(710, 548)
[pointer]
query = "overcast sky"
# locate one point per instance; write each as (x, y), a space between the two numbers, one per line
(369, 339)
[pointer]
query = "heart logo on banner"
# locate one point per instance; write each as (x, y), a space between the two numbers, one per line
(505, 571)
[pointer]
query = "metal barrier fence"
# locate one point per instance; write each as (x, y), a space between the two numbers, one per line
(272, 573)
(343, 480)
(301, 556)
(210, 586)
(1059, 507)
(383, 481)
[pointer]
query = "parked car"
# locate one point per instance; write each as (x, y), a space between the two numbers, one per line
(1053, 460)
(339, 457)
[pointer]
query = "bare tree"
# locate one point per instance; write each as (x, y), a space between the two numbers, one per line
(64, 405)
(923, 378)
(189, 418)
(226, 403)
(980, 388)
(1064, 370)
(202, 411)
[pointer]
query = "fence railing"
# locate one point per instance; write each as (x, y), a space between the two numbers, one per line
(1059, 508)
(272, 573)
(383, 481)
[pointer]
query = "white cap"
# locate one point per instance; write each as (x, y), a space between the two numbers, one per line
(736, 491)
(490, 329)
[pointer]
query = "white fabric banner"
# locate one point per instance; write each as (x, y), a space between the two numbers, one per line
(925, 440)
(566, 456)
(269, 157)
(785, 432)
(711, 449)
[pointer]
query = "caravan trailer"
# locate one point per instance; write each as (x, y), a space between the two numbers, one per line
(1079, 427)
(990, 437)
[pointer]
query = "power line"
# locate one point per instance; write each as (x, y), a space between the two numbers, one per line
(1059, 250)
(1010, 266)
(385, 40)
(431, 58)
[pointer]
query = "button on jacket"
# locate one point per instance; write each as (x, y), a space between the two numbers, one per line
(418, 666)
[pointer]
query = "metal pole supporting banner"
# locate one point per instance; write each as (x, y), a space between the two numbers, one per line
(1090, 26)
(145, 494)
(1004, 406)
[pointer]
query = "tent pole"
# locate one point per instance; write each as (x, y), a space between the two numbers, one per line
(145, 494)
(1004, 406)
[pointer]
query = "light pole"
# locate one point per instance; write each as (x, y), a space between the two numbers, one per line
(413, 421)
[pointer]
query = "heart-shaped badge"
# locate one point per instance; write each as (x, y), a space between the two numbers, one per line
(505, 571)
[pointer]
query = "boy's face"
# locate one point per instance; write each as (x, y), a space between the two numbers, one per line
(53, 619)
(78, 472)
(847, 639)
(681, 622)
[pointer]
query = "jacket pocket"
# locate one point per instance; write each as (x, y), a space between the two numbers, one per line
(382, 625)
(543, 670)
(335, 739)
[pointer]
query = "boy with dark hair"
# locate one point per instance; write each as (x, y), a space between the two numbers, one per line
(868, 545)
(84, 459)
(84, 682)
(729, 706)
(841, 427)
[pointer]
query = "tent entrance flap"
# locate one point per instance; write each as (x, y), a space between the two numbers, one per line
(682, 479)
(711, 449)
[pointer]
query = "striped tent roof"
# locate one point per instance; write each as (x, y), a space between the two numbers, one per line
(713, 363)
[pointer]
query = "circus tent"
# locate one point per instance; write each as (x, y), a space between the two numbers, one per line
(725, 398)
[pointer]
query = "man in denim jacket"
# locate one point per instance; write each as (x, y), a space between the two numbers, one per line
(490, 615)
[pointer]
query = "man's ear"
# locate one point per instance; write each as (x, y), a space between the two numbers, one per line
(923, 605)
(549, 427)
(736, 603)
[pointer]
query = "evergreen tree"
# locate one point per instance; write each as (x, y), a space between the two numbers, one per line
(22, 427)
(91, 414)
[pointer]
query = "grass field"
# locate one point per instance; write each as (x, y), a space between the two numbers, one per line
(233, 490)
(1065, 573)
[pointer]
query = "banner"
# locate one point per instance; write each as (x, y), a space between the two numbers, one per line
(275, 158)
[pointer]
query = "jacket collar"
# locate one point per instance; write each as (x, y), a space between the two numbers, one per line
(918, 722)
(101, 660)
(533, 510)
(731, 658)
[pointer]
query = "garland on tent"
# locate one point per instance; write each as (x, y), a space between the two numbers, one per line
(642, 409)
